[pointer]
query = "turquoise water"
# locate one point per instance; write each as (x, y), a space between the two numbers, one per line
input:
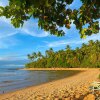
(12, 78)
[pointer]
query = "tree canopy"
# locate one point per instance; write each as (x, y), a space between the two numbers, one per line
(54, 14)
(86, 56)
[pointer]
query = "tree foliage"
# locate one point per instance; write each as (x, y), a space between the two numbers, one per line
(86, 56)
(54, 14)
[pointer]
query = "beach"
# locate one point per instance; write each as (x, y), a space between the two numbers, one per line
(43, 69)
(75, 87)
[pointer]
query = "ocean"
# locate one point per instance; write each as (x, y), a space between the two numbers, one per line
(13, 78)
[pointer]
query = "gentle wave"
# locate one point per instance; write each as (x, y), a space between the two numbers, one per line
(13, 65)
(7, 73)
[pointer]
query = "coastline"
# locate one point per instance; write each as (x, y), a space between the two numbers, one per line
(56, 88)
(43, 69)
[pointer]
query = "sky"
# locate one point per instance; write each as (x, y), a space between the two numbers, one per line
(15, 44)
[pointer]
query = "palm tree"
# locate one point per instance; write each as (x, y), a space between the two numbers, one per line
(39, 55)
(49, 52)
(30, 57)
(91, 42)
(68, 48)
(46, 52)
(34, 54)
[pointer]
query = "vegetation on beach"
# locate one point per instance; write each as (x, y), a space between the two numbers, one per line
(53, 15)
(88, 55)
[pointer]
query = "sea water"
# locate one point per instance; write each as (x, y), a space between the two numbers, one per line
(13, 78)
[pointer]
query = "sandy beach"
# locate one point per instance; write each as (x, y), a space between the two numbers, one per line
(72, 88)
(81, 69)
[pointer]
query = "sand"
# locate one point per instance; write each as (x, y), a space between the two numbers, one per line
(83, 69)
(72, 88)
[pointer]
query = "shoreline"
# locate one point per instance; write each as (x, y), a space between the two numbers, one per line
(34, 85)
(51, 69)
(47, 89)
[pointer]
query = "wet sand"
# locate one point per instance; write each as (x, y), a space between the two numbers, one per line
(72, 88)
(83, 69)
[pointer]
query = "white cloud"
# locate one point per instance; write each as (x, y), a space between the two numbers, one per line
(34, 34)
(8, 35)
(4, 20)
(31, 28)
(3, 2)
(73, 42)
(7, 31)
(14, 58)
(8, 42)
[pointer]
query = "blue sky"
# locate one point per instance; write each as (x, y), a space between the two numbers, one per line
(15, 44)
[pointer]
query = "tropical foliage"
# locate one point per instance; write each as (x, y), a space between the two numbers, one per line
(86, 56)
(55, 14)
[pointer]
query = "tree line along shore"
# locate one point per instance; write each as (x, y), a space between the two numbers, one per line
(88, 55)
